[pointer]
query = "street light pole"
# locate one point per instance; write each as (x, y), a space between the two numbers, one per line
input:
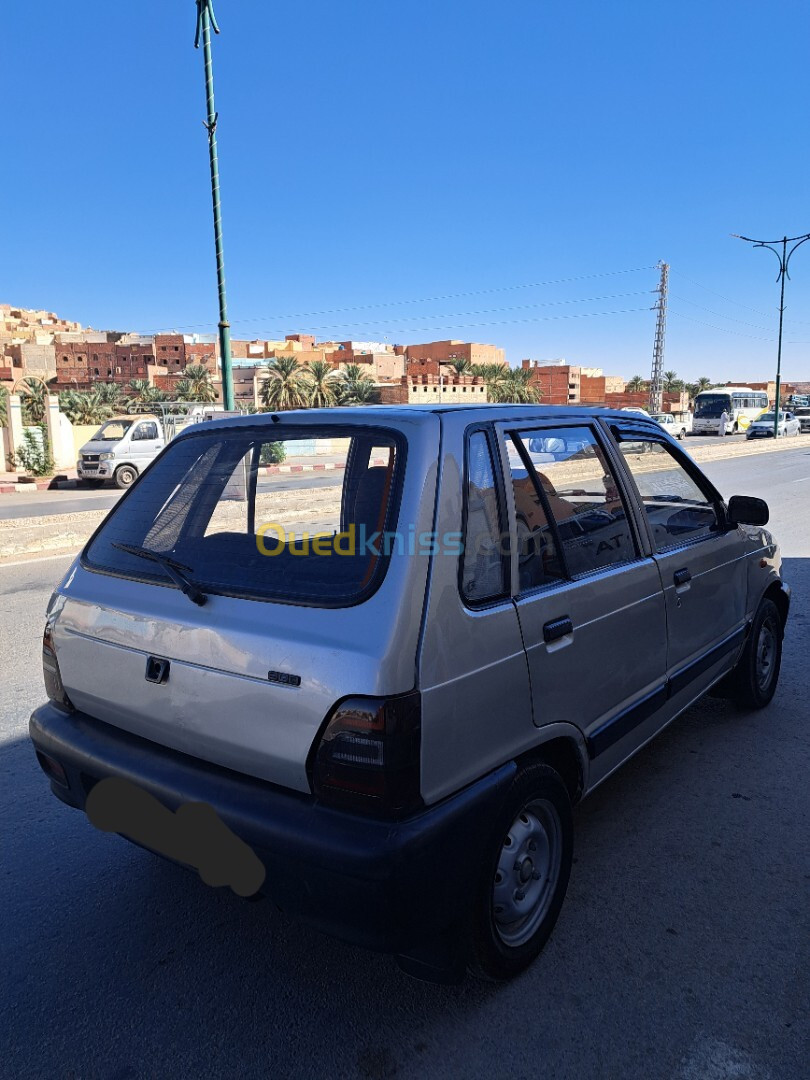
(784, 260)
(205, 21)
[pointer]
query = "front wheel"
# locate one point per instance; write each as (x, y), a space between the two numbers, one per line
(125, 476)
(525, 874)
(752, 683)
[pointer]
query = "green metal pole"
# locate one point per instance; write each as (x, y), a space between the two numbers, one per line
(206, 20)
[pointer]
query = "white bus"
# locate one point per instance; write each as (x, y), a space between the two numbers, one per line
(740, 402)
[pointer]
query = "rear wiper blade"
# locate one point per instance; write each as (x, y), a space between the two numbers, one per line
(177, 571)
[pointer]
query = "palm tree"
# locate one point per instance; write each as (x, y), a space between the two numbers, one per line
(285, 386)
(323, 384)
(692, 389)
(33, 401)
(460, 365)
(704, 383)
(111, 394)
(84, 408)
(356, 387)
(196, 385)
(671, 381)
(636, 384)
(515, 388)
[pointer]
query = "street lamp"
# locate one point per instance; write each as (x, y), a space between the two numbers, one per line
(784, 260)
(205, 23)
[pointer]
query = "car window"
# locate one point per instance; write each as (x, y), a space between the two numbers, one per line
(570, 516)
(222, 503)
(678, 508)
(483, 562)
(146, 431)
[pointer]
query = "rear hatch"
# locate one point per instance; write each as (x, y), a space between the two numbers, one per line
(240, 589)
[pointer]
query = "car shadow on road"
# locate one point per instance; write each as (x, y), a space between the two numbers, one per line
(681, 907)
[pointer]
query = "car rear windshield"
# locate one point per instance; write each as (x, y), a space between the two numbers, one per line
(243, 511)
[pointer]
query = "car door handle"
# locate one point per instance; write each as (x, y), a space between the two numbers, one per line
(681, 577)
(557, 628)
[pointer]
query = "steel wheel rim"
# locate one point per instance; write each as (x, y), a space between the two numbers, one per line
(527, 873)
(766, 655)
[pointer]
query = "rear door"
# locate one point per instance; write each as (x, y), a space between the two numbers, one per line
(700, 560)
(587, 591)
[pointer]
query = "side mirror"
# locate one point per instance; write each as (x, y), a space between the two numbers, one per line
(746, 510)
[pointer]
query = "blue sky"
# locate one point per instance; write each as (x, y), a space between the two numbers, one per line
(418, 171)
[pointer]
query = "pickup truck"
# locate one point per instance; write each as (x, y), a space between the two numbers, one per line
(672, 425)
(124, 445)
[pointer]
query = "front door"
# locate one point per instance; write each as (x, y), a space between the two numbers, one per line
(588, 592)
(701, 561)
(145, 442)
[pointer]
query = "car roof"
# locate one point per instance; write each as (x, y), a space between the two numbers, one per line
(377, 414)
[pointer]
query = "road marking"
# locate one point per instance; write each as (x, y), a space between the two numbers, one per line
(800, 480)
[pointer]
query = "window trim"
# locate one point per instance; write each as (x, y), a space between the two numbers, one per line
(486, 428)
(629, 433)
(628, 496)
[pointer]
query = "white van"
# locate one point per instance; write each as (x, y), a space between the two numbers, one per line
(120, 450)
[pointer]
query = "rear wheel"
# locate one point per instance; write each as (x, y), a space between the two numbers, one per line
(125, 476)
(525, 874)
(752, 684)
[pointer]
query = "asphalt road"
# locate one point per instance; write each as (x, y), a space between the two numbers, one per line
(73, 500)
(682, 951)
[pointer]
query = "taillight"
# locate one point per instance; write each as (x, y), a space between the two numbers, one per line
(368, 755)
(50, 670)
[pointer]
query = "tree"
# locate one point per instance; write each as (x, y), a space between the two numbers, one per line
(196, 385)
(515, 388)
(323, 384)
(285, 386)
(636, 384)
(671, 382)
(704, 383)
(356, 388)
(460, 365)
(3, 407)
(85, 408)
(111, 394)
(33, 401)
(692, 389)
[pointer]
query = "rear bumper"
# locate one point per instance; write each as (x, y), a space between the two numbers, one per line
(402, 887)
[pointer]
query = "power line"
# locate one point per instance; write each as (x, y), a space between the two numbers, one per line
(390, 331)
(736, 333)
(719, 314)
(729, 300)
(421, 300)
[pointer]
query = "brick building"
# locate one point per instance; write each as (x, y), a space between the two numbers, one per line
(446, 351)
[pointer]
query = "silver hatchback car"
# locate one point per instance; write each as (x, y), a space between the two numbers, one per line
(372, 682)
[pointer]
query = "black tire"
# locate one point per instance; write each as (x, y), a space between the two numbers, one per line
(500, 949)
(125, 476)
(748, 685)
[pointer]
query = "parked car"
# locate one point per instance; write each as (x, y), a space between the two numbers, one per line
(762, 427)
(120, 450)
(376, 700)
(802, 414)
(124, 445)
(676, 428)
